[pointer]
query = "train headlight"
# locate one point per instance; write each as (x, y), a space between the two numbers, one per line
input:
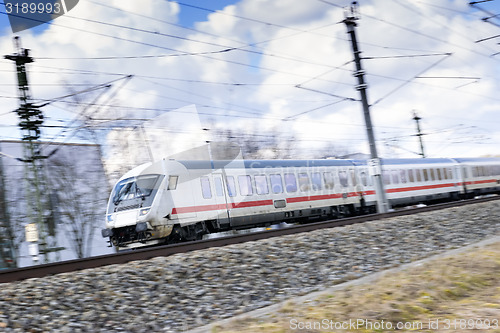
(144, 211)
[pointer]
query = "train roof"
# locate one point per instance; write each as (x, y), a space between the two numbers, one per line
(257, 164)
(249, 164)
(402, 161)
(478, 159)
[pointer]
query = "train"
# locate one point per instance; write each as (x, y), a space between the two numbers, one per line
(172, 201)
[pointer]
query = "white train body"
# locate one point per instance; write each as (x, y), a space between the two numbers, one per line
(171, 201)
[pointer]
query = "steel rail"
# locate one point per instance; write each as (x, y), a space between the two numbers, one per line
(17, 274)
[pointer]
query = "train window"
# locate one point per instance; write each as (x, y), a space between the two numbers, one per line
(450, 173)
(290, 182)
(419, 175)
(426, 174)
(343, 178)
(316, 181)
(145, 185)
(402, 176)
(386, 177)
(394, 174)
(205, 188)
(304, 182)
(245, 185)
(329, 182)
(276, 184)
(125, 190)
(363, 178)
(411, 176)
(261, 184)
(444, 174)
(219, 190)
(439, 174)
(433, 174)
(231, 186)
(172, 182)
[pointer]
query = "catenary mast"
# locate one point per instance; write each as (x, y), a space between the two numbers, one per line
(31, 118)
(374, 164)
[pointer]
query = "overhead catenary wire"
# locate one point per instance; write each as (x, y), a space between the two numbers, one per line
(242, 84)
(417, 32)
(246, 64)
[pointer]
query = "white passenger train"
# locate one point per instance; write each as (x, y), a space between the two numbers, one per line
(172, 201)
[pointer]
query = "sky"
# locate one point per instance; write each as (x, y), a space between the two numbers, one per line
(270, 67)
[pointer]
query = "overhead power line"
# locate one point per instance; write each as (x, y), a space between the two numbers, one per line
(417, 32)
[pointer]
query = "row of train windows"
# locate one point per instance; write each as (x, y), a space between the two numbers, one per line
(396, 176)
(317, 180)
(289, 182)
(485, 171)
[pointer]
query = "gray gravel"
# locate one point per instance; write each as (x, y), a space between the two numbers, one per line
(188, 290)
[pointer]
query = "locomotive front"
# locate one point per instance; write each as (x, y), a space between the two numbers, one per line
(133, 209)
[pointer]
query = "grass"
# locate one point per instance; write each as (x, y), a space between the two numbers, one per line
(444, 291)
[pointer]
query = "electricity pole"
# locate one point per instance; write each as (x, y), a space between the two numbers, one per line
(374, 164)
(419, 133)
(31, 118)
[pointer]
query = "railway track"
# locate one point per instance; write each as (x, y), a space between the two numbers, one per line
(18, 274)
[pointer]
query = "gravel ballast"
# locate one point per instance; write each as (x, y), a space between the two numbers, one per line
(183, 291)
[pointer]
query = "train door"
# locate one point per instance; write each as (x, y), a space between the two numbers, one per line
(343, 183)
(221, 199)
(461, 176)
(355, 190)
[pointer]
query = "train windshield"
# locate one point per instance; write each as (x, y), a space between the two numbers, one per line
(141, 187)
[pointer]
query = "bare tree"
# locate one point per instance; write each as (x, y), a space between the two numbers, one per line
(81, 192)
(11, 233)
(260, 144)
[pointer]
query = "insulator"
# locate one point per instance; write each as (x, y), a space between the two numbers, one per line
(361, 86)
(359, 73)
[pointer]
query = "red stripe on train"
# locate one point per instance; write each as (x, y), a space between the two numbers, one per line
(205, 208)
(418, 188)
(247, 204)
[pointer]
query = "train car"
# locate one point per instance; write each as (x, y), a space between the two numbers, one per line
(479, 175)
(410, 181)
(172, 201)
